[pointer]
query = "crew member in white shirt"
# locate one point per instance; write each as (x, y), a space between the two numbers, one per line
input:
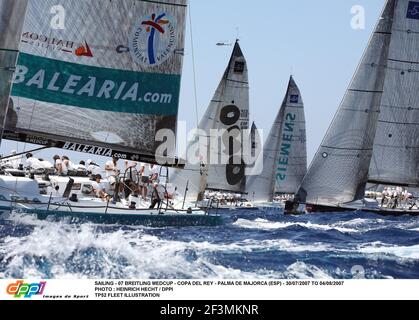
(33, 163)
(111, 168)
(154, 173)
(67, 165)
(14, 162)
(145, 179)
(46, 164)
(99, 188)
(92, 167)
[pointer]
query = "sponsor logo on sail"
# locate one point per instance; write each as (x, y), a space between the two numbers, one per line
(413, 10)
(153, 40)
(294, 98)
(56, 44)
(285, 153)
(55, 81)
(84, 51)
(88, 149)
(20, 289)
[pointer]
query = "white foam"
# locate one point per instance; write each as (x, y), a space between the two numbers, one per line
(300, 270)
(381, 249)
(83, 251)
(261, 224)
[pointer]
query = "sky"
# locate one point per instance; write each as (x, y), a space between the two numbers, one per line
(312, 40)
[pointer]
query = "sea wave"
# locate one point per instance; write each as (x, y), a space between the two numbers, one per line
(382, 249)
(269, 247)
(263, 224)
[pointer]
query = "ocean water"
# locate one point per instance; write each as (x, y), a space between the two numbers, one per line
(250, 245)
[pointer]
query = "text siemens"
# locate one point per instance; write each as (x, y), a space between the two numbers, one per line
(287, 138)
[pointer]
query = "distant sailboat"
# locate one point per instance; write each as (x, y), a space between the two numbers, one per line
(374, 136)
(284, 161)
(78, 90)
(229, 109)
(254, 140)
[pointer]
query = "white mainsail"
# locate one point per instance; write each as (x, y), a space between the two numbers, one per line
(339, 171)
(104, 84)
(230, 98)
(396, 146)
(12, 15)
(228, 110)
(284, 159)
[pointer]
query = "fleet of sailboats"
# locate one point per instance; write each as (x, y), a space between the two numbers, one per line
(109, 97)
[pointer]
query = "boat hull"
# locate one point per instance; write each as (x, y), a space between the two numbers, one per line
(311, 208)
(144, 218)
(392, 212)
(149, 220)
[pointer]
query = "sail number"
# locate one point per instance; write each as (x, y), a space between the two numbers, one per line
(235, 169)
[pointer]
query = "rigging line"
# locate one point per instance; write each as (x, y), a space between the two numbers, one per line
(193, 66)
(23, 153)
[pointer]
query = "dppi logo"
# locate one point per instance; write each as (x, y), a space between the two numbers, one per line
(153, 40)
(20, 289)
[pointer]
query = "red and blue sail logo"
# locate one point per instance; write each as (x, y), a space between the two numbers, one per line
(413, 10)
(153, 39)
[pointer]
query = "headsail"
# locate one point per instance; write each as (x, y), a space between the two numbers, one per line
(339, 171)
(396, 147)
(228, 110)
(12, 15)
(285, 153)
(106, 83)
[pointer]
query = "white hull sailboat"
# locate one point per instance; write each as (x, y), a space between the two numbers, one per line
(81, 207)
(107, 97)
(374, 135)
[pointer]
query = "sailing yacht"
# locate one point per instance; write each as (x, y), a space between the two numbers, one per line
(104, 85)
(227, 112)
(374, 135)
(284, 158)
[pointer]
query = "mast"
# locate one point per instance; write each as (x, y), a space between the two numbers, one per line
(12, 16)
(339, 171)
(396, 146)
(284, 160)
